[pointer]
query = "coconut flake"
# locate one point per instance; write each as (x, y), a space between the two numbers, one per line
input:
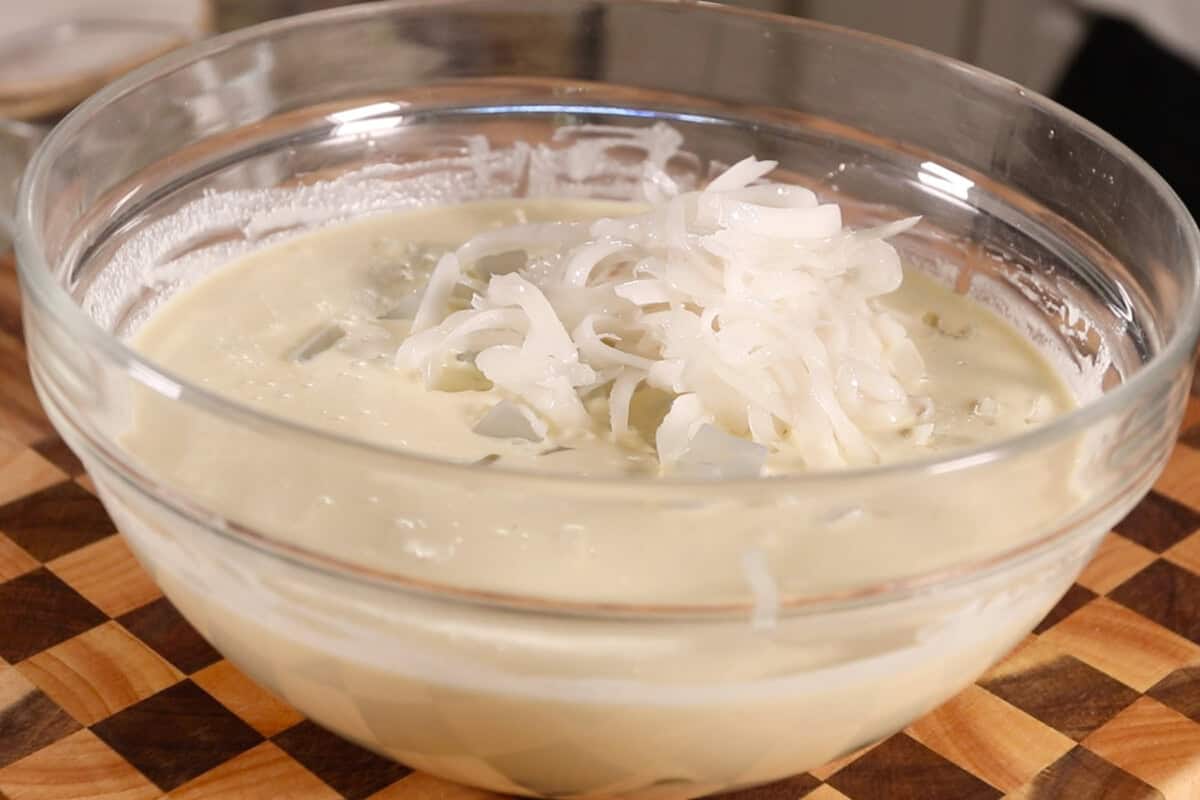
(547, 336)
(543, 382)
(748, 301)
(657, 186)
(762, 426)
(740, 175)
(500, 263)
(316, 343)
(430, 347)
(508, 420)
(532, 238)
(437, 293)
(644, 292)
(678, 427)
(781, 223)
(667, 375)
(714, 453)
(620, 399)
(594, 350)
(587, 258)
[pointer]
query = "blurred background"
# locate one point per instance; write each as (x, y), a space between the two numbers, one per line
(1132, 66)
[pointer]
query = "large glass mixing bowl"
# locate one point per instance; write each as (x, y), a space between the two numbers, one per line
(544, 634)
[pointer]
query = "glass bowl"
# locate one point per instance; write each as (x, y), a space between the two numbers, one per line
(544, 634)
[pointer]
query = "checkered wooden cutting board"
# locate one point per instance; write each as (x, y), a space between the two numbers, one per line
(105, 691)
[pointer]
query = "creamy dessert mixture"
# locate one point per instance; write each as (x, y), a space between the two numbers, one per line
(732, 332)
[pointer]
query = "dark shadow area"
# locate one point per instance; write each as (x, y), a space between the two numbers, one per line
(1143, 94)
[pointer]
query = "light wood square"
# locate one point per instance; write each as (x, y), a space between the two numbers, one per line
(24, 471)
(14, 561)
(1122, 643)
(107, 573)
(964, 730)
(99, 673)
(1155, 743)
(75, 767)
(1181, 477)
(260, 709)
(1116, 561)
(1030, 652)
(825, 792)
(1186, 553)
(13, 686)
(265, 772)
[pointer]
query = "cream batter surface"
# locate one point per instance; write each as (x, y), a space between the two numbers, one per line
(243, 333)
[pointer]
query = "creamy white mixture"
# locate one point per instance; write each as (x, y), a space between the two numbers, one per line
(550, 704)
(238, 331)
(264, 331)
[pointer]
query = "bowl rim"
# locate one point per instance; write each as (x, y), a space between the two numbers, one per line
(36, 280)
(38, 283)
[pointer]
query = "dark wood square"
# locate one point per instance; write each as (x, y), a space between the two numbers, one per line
(1083, 774)
(1191, 437)
(354, 772)
(37, 611)
(33, 722)
(56, 521)
(177, 734)
(1066, 694)
(1076, 598)
(10, 305)
(1181, 691)
(1159, 522)
(793, 788)
(901, 768)
(55, 450)
(1167, 594)
(161, 626)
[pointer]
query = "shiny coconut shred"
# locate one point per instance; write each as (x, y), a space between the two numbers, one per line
(748, 303)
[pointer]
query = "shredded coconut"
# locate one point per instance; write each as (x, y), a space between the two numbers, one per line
(747, 301)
